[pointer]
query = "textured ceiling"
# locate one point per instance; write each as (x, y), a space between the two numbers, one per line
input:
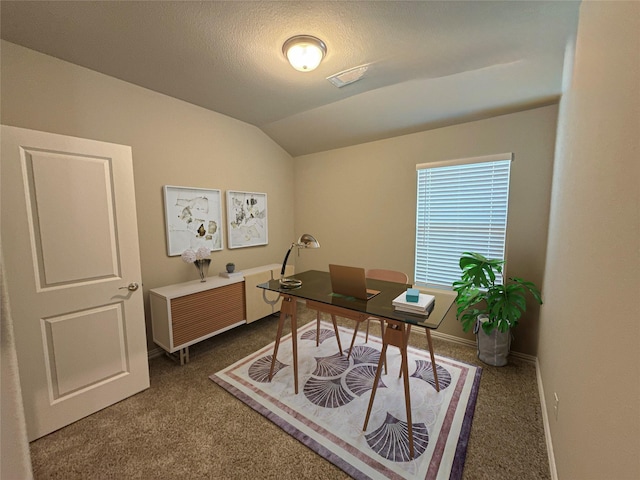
(430, 63)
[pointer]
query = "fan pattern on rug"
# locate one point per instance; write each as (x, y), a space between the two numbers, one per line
(328, 413)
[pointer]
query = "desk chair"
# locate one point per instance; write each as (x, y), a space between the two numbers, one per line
(378, 274)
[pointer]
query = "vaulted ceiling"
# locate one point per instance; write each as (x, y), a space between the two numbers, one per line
(429, 63)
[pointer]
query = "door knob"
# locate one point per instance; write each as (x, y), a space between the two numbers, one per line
(132, 287)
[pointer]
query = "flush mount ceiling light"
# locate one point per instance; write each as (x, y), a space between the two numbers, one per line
(304, 52)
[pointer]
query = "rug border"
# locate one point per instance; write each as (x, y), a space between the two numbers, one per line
(465, 430)
(457, 466)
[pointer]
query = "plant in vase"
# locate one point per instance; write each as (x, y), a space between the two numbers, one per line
(230, 267)
(491, 308)
(200, 259)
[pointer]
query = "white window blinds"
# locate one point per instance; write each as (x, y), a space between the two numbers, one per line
(462, 207)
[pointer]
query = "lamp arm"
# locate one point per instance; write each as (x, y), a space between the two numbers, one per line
(286, 257)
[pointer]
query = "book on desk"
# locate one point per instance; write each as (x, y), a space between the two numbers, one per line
(423, 306)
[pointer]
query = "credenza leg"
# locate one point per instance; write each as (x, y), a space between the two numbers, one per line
(181, 356)
(184, 355)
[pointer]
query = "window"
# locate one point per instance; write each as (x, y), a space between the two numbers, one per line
(461, 207)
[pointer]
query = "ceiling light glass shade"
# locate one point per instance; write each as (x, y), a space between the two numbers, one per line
(304, 52)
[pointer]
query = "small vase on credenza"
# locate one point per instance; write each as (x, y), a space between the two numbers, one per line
(203, 268)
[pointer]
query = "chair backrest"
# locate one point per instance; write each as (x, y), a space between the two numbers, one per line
(388, 275)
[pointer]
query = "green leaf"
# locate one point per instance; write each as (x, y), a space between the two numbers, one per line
(477, 293)
(531, 287)
(469, 319)
(479, 270)
(518, 300)
(488, 327)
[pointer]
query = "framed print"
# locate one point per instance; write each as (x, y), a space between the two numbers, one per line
(193, 218)
(247, 223)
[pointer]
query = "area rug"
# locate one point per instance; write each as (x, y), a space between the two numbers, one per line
(328, 413)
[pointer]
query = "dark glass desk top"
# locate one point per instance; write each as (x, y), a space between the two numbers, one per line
(316, 286)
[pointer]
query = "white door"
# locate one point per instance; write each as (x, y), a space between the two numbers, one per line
(70, 246)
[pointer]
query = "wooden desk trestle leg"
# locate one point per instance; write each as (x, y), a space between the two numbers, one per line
(433, 358)
(288, 308)
(355, 333)
(335, 329)
(396, 335)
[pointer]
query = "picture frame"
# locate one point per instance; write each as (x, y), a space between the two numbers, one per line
(247, 220)
(193, 218)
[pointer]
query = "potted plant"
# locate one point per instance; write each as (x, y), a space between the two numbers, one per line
(491, 308)
(230, 267)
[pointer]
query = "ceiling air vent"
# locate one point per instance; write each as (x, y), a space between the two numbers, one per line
(348, 76)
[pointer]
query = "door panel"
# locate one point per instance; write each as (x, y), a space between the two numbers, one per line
(70, 243)
(104, 354)
(71, 210)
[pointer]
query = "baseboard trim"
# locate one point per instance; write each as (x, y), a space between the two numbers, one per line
(449, 338)
(524, 356)
(545, 423)
(472, 343)
(154, 352)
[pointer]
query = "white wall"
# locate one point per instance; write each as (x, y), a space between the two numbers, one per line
(173, 143)
(360, 201)
(589, 349)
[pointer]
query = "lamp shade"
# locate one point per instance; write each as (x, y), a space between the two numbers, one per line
(304, 52)
(308, 241)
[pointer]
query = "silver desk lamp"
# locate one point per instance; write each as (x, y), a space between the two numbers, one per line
(305, 241)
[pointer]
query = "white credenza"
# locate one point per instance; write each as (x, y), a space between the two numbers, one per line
(187, 313)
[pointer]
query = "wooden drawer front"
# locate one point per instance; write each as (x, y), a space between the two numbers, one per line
(196, 315)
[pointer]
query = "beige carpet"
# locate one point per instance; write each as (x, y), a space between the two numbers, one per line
(187, 426)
